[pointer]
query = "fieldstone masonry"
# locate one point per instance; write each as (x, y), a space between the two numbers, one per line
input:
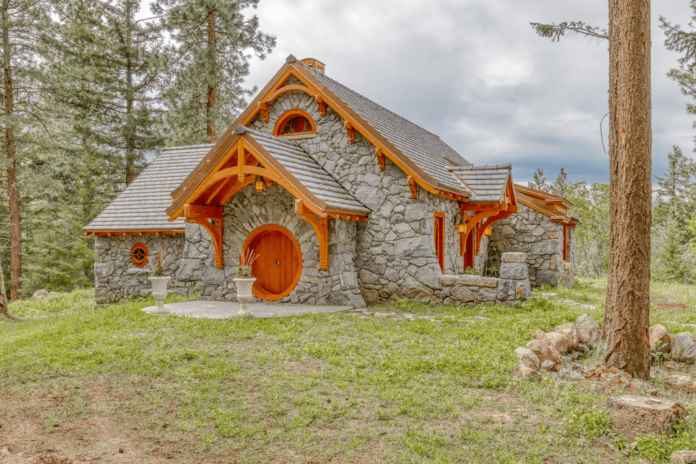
(533, 233)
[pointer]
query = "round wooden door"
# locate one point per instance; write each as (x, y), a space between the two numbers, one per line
(279, 264)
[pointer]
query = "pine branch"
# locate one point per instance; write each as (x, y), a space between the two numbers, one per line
(574, 28)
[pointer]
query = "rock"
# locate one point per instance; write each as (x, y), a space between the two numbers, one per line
(589, 331)
(683, 347)
(463, 294)
(372, 197)
(430, 275)
(513, 258)
(545, 247)
(41, 294)
(559, 341)
(527, 358)
(546, 277)
(681, 382)
(582, 348)
(543, 351)
(514, 271)
(570, 331)
(683, 457)
(660, 340)
(541, 336)
(528, 373)
(414, 290)
(549, 366)
(103, 270)
(633, 415)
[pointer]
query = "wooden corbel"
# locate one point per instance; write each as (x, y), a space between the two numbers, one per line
(351, 131)
(321, 104)
(413, 186)
(381, 158)
(320, 224)
(264, 110)
(203, 215)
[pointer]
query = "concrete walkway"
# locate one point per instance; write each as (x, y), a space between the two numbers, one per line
(224, 310)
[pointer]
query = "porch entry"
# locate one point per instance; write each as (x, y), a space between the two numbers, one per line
(279, 264)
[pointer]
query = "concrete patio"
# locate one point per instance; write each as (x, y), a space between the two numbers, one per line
(225, 310)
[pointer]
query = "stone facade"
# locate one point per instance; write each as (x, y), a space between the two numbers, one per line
(395, 248)
(248, 210)
(117, 277)
(533, 233)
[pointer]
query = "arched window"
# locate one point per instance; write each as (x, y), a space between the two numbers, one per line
(295, 122)
(140, 254)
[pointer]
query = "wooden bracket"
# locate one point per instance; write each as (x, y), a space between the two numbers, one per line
(203, 215)
(269, 183)
(321, 104)
(381, 158)
(264, 110)
(351, 131)
(320, 224)
(413, 186)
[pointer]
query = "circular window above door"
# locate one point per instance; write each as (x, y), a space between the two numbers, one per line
(279, 264)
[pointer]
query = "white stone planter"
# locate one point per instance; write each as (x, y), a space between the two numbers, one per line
(244, 295)
(159, 293)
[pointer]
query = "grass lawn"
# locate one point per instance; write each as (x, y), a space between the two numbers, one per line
(86, 383)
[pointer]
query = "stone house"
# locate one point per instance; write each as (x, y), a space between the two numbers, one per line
(345, 202)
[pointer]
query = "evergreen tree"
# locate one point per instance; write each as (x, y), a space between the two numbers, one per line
(539, 181)
(561, 185)
(675, 196)
(209, 61)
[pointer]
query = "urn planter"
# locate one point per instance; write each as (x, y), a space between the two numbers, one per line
(159, 293)
(244, 295)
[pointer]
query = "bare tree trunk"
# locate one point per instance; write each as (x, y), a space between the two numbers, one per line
(212, 43)
(13, 187)
(130, 142)
(4, 309)
(626, 318)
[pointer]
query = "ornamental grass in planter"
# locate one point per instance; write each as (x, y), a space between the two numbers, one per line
(159, 283)
(245, 280)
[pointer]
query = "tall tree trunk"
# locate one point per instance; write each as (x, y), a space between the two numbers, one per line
(626, 318)
(4, 308)
(212, 43)
(129, 135)
(12, 186)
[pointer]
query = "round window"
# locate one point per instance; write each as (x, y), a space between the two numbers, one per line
(139, 254)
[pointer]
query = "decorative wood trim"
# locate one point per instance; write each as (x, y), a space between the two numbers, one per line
(251, 238)
(241, 162)
(379, 153)
(321, 104)
(413, 186)
(290, 114)
(489, 222)
(289, 88)
(351, 131)
(321, 227)
(440, 239)
(140, 262)
(203, 215)
(264, 109)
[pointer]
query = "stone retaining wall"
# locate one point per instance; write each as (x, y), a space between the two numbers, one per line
(117, 277)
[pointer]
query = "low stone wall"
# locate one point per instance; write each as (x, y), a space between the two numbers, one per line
(513, 284)
(117, 277)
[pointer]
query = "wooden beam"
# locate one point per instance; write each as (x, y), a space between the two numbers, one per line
(321, 104)
(351, 131)
(413, 186)
(263, 109)
(241, 162)
(203, 215)
(379, 153)
(321, 227)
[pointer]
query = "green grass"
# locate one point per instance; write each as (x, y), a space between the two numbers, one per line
(326, 387)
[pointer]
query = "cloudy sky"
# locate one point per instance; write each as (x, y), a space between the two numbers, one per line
(475, 73)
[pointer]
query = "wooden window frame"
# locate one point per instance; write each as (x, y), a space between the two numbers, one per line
(138, 262)
(439, 233)
(278, 129)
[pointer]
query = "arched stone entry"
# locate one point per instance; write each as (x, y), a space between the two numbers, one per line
(279, 264)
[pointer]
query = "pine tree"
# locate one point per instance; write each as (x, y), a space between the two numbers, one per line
(539, 182)
(675, 197)
(561, 185)
(209, 62)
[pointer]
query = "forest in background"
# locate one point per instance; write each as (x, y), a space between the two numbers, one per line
(92, 89)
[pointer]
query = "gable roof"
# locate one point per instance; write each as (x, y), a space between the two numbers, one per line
(308, 172)
(549, 204)
(487, 183)
(142, 205)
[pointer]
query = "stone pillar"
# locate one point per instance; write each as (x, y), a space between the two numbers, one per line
(514, 276)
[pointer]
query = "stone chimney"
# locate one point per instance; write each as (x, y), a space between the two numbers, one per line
(316, 65)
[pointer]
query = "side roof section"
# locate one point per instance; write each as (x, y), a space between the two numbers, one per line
(142, 205)
(487, 183)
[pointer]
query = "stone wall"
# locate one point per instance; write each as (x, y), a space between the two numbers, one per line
(117, 277)
(248, 210)
(395, 248)
(533, 233)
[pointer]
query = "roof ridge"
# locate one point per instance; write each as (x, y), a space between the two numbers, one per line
(185, 147)
(371, 101)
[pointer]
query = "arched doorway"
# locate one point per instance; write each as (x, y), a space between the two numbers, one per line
(279, 264)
